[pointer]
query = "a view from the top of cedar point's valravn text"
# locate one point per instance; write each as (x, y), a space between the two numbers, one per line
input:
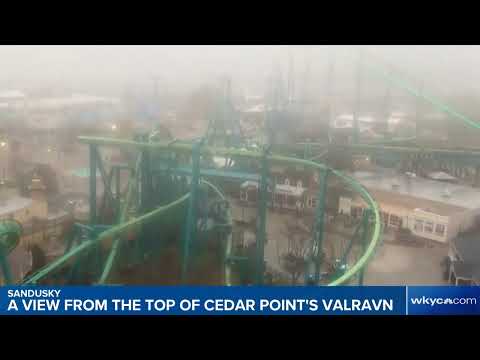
(240, 165)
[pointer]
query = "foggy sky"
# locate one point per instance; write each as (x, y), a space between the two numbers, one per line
(112, 69)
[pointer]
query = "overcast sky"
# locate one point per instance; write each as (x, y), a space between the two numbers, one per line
(108, 69)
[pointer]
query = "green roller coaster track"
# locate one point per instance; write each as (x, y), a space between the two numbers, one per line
(118, 230)
(10, 232)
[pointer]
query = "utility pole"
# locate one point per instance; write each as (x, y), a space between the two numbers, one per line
(386, 107)
(418, 108)
(356, 113)
(306, 75)
(291, 75)
(329, 86)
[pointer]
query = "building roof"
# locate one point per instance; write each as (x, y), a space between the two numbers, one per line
(289, 190)
(73, 100)
(388, 180)
(56, 214)
(279, 188)
(14, 204)
(260, 108)
(11, 94)
(441, 176)
(346, 121)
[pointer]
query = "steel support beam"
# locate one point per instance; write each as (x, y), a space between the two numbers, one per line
(320, 223)
(191, 224)
(93, 184)
(358, 89)
(365, 221)
(146, 178)
(7, 274)
(117, 191)
(106, 178)
(262, 221)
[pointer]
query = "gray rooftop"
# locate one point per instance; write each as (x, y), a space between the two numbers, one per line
(13, 204)
(449, 194)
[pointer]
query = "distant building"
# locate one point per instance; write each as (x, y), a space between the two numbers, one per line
(464, 259)
(342, 128)
(284, 196)
(295, 189)
(12, 99)
(41, 226)
(430, 209)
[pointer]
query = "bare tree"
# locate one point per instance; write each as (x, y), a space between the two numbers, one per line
(293, 260)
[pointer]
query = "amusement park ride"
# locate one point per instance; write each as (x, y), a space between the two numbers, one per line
(168, 203)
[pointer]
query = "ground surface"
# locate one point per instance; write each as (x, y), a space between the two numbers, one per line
(392, 264)
(404, 265)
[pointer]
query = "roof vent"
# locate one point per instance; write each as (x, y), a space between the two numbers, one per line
(447, 194)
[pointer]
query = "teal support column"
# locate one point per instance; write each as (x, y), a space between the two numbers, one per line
(262, 221)
(146, 178)
(191, 224)
(320, 223)
(117, 192)
(93, 184)
(144, 243)
(365, 221)
(7, 274)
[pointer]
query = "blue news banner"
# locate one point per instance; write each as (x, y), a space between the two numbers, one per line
(129, 300)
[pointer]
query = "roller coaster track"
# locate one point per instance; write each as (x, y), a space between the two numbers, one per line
(187, 148)
(10, 232)
(117, 231)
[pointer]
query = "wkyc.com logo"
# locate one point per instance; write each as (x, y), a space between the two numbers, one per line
(424, 300)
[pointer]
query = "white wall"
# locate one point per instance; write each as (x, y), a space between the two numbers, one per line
(453, 223)
(426, 216)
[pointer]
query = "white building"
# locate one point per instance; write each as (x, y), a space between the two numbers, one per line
(430, 209)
